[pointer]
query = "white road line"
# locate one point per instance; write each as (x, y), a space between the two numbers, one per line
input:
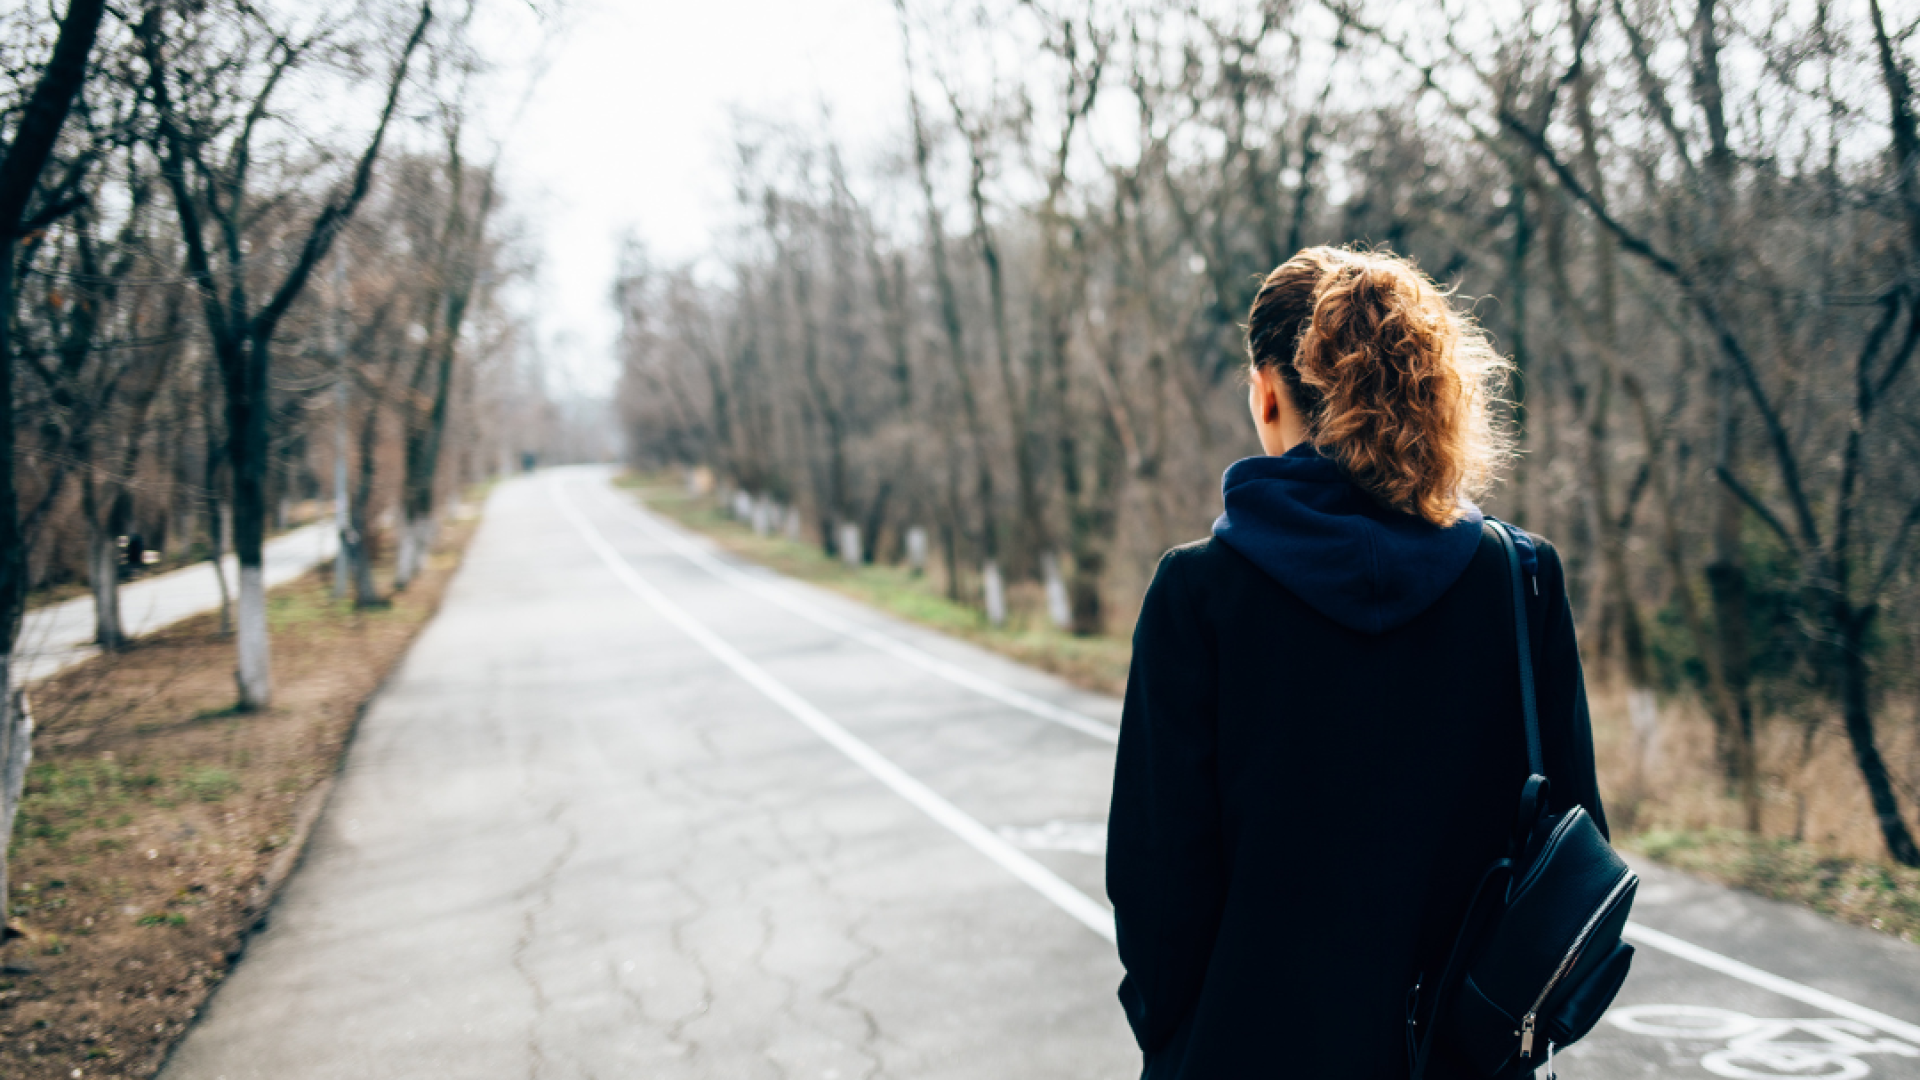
(1786, 988)
(1636, 932)
(953, 673)
(1093, 915)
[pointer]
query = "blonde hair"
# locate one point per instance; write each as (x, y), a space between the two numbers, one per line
(1395, 384)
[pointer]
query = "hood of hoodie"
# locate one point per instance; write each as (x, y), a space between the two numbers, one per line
(1365, 566)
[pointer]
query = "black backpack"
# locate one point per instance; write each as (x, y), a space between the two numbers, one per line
(1538, 958)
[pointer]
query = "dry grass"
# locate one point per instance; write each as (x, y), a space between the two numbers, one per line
(1819, 844)
(158, 822)
(1864, 892)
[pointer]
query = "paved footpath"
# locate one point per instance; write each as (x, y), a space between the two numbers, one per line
(58, 636)
(632, 809)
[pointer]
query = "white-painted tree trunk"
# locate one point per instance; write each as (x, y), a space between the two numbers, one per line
(917, 550)
(793, 524)
(103, 575)
(1058, 609)
(256, 660)
(765, 513)
(416, 538)
(848, 545)
(16, 753)
(996, 590)
(1643, 710)
(405, 558)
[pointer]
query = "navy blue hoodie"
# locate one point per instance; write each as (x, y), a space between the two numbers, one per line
(1320, 753)
(1359, 563)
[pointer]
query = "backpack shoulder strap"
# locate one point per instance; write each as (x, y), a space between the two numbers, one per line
(1528, 704)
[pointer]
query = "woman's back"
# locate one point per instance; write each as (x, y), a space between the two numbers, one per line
(1321, 751)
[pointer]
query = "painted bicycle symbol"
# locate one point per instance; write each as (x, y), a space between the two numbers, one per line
(1759, 1048)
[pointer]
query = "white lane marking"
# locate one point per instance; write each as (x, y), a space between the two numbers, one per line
(953, 673)
(1635, 932)
(1753, 976)
(1044, 881)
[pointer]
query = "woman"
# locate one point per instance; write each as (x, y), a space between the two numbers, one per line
(1323, 745)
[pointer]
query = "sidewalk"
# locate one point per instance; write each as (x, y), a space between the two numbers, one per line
(57, 637)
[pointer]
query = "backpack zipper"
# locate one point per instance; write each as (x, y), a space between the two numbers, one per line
(1572, 956)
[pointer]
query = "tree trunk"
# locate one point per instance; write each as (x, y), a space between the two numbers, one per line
(103, 575)
(216, 556)
(950, 319)
(1727, 583)
(1856, 704)
(247, 412)
(1030, 526)
(1723, 704)
(1092, 520)
(16, 753)
(13, 548)
(358, 546)
(993, 593)
(416, 539)
(1517, 325)
(26, 156)
(876, 520)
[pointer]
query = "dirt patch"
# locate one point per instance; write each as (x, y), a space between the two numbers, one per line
(1819, 842)
(158, 823)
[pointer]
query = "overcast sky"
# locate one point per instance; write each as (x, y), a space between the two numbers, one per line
(628, 129)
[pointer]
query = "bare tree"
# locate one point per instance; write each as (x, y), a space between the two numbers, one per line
(22, 212)
(205, 136)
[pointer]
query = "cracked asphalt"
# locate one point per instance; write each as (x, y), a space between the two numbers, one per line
(570, 841)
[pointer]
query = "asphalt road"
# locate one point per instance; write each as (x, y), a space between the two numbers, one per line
(631, 809)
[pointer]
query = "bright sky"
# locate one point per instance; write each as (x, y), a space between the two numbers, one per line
(629, 129)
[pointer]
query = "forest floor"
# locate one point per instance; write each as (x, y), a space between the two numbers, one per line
(1865, 892)
(158, 823)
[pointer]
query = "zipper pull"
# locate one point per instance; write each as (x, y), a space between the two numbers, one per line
(1526, 1036)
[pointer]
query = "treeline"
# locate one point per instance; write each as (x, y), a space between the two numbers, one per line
(261, 264)
(1695, 229)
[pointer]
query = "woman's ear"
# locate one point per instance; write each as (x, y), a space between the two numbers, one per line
(1275, 418)
(1267, 389)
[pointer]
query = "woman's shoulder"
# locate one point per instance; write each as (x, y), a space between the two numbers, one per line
(1200, 565)
(1537, 553)
(1187, 588)
(1546, 557)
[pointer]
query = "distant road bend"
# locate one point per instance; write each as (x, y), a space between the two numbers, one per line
(632, 808)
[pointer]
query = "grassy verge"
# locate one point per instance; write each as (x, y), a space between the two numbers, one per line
(1095, 663)
(158, 823)
(1867, 893)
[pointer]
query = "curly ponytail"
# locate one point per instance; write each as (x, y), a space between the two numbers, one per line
(1395, 385)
